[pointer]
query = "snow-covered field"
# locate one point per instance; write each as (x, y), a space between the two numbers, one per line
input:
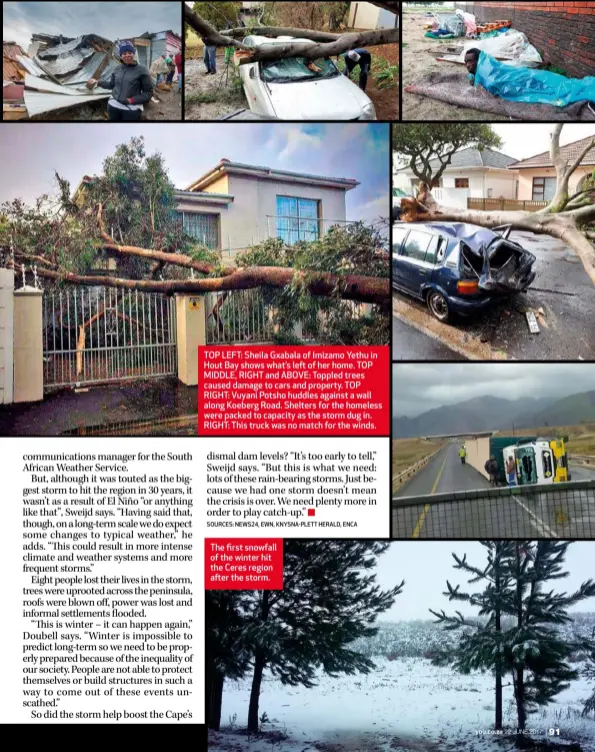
(406, 704)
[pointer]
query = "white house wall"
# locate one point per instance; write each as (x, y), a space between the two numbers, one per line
(364, 15)
(244, 222)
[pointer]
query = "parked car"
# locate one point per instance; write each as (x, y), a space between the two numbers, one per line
(458, 268)
(288, 90)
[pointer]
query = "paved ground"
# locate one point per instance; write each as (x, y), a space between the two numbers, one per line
(411, 344)
(113, 408)
(547, 514)
(562, 297)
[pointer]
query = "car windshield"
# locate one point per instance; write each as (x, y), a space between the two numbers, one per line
(296, 69)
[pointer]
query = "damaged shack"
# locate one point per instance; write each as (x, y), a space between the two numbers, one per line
(53, 73)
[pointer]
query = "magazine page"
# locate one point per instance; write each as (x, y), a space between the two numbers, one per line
(297, 349)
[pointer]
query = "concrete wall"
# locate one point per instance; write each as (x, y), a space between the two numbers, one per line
(28, 345)
(526, 180)
(502, 183)
(6, 334)
(563, 32)
(478, 452)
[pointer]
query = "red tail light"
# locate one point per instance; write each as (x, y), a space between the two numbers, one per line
(467, 287)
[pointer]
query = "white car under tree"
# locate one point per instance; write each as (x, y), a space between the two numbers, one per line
(288, 89)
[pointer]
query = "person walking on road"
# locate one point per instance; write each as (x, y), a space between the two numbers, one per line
(491, 468)
(462, 454)
(511, 471)
(210, 58)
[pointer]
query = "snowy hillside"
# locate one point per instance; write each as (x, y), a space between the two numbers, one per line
(405, 704)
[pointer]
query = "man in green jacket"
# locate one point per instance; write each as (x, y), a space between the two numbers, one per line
(462, 454)
(131, 86)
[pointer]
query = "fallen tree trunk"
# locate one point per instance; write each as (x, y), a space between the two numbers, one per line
(342, 43)
(316, 50)
(278, 31)
(565, 226)
(348, 287)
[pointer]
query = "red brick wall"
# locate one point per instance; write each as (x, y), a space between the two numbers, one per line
(563, 32)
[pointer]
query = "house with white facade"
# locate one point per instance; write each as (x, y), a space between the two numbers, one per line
(370, 16)
(234, 205)
(472, 173)
(537, 175)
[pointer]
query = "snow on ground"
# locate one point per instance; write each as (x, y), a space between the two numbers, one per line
(405, 705)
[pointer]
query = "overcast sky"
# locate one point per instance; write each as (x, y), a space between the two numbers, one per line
(107, 19)
(30, 154)
(523, 140)
(425, 567)
(419, 387)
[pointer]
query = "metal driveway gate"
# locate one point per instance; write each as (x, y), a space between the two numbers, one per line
(99, 335)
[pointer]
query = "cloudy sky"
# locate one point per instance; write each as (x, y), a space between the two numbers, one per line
(29, 155)
(111, 20)
(425, 567)
(523, 140)
(420, 387)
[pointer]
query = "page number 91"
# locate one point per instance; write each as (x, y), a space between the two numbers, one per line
(554, 732)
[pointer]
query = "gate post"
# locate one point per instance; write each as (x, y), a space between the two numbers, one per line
(191, 332)
(6, 335)
(28, 345)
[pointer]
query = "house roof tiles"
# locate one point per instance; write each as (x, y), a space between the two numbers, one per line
(569, 152)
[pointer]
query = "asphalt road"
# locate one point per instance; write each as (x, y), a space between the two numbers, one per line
(532, 513)
(411, 344)
(562, 296)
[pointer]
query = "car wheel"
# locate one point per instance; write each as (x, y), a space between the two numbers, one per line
(438, 305)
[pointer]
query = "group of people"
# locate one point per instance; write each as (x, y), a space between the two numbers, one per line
(131, 84)
(491, 468)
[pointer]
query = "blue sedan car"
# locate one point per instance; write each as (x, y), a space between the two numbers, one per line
(458, 268)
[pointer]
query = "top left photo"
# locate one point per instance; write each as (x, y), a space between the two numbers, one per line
(92, 61)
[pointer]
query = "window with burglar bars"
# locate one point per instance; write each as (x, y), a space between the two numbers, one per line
(297, 219)
(202, 226)
(557, 510)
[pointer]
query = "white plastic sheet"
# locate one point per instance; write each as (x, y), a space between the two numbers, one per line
(511, 46)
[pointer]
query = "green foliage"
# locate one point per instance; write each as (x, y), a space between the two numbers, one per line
(385, 75)
(418, 143)
(219, 14)
(356, 249)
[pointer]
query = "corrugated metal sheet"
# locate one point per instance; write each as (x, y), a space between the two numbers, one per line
(88, 70)
(61, 49)
(11, 70)
(157, 48)
(11, 51)
(38, 102)
(61, 66)
(42, 84)
(31, 66)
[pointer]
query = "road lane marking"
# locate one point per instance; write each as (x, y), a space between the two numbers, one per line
(422, 516)
(539, 524)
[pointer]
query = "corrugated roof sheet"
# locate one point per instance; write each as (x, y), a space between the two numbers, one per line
(11, 70)
(11, 51)
(42, 84)
(39, 102)
(570, 152)
(88, 70)
(31, 66)
(61, 66)
(61, 49)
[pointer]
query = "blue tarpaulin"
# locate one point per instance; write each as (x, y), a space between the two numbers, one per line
(530, 85)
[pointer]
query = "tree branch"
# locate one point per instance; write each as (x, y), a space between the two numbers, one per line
(279, 31)
(349, 287)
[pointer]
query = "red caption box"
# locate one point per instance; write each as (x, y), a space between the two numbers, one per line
(243, 563)
(293, 391)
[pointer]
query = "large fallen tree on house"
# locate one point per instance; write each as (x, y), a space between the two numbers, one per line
(128, 215)
(570, 218)
(324, 45)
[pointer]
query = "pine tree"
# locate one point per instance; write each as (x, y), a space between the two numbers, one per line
(227, 651)
(480, 646)
(329, 599)
(535, 651)
(589, 673)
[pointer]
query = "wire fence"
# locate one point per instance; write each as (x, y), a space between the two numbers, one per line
(560, 510)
